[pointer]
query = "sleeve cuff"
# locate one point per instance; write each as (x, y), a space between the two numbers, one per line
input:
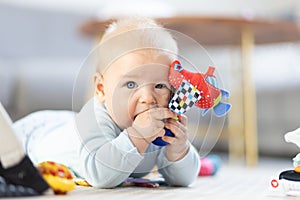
(184, 162)
(124, 144)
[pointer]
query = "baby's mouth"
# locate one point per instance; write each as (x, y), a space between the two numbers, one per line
(153, 106)
(136, 115)
(139, 113)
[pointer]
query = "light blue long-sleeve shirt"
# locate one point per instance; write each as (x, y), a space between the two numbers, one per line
(92, 145)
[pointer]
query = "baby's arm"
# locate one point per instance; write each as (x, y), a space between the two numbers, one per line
(179, 144)
(106, 158)
(182, 159)
(182, 172)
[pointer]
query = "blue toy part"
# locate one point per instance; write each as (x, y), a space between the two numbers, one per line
(221, 108)
(212, 80)
(217, 162)
(178, 67)
(204, 111)
(225, 94)
(159, 141)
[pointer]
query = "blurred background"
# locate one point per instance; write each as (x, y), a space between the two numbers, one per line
(42, 47)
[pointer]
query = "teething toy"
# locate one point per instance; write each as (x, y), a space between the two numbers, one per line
(288, 181)
(196, 89)
(58, 177)
(159, 141)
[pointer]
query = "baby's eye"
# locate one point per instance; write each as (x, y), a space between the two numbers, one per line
(131, 85)
(160, 86)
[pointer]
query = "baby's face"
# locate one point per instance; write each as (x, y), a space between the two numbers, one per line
(135, 83)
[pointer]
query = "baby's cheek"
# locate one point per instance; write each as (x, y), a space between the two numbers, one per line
(165, 100)
(125, 123)
(125, 120)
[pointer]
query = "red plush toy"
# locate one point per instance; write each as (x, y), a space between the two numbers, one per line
(196, 89)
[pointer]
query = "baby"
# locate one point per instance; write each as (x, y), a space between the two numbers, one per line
(110, 139)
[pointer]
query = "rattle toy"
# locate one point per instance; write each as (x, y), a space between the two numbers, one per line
(159, 141)
(58, 176)
(196, 89)
(210, 165)
(140, 182)
(288, 181)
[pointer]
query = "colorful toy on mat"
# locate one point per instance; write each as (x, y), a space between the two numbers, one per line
(196, 89)
(81, 182)
(21, 179)
(288, 181)
(140, 182)
(210, 165)
(12, 190)
(58, 176)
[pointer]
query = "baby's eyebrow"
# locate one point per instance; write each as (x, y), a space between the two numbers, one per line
(137, 77)
(129, 76)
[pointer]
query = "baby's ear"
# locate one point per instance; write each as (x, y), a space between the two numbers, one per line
(99, 87)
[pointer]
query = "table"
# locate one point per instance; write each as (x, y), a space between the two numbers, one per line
(209, 30)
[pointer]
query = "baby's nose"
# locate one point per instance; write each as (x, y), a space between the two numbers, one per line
(147, 95)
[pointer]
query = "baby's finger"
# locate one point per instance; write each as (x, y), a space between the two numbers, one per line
(183, 119)
(162, 113)
(161, 133)
(156, 133)
(159, 124)
(178, 124)
(158, 129)
(178, 132)
(168, 139)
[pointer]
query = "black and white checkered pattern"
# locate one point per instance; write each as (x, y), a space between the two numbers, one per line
(185, 97)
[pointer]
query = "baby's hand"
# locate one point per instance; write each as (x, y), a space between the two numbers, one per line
(150, 124)
(178, 145)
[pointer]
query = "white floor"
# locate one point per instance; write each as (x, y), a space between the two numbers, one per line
(232, 182)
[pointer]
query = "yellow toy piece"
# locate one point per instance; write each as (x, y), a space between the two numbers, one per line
(58, 176)
(297, 169)
(81, 182)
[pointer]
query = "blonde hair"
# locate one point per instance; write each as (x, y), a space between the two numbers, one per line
(131, 34)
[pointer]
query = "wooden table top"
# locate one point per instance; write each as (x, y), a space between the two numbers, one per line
(216, 30)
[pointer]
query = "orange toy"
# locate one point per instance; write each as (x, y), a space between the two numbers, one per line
(58, 176)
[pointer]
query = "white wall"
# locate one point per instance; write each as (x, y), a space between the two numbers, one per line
(37, 43)
(258, 8)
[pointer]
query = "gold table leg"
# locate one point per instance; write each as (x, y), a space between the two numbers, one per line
(236, 142)
(249, 97)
